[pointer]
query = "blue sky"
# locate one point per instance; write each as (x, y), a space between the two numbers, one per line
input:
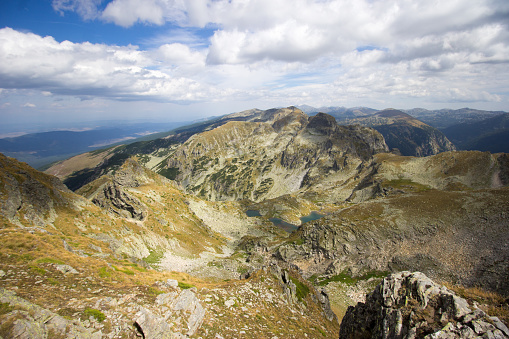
(70, 61)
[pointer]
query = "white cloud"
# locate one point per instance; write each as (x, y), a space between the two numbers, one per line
(87, 9)
(325, 51)
(128, 12)
(29, 105)
(85, 69)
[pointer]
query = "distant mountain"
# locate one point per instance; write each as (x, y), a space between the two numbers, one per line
(247, 154)
(340, 113)
(405, 133)
(444, 118)
(491, 134)
(39, 149)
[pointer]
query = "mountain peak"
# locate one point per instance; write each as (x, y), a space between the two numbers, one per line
(322, 122)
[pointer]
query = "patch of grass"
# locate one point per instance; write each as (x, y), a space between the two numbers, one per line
(98, 315)
(154, 257)
(49, 261)
(302, 290)
(242, 269)
(154, 291)
(405, 184)
(138, 268)
(123, 270)
(53, 282)
(37, 269)
(104, 272)
(5, 308)
(349, 280)
(184, 285)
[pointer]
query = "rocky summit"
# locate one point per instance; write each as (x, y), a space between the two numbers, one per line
(258, 224)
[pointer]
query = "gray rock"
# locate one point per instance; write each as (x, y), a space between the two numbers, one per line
(65, 269)
(2, 273)
(405, 304)
(189, 303)
(500, 325)
(152, 326)
(172, 283)
(32, 321)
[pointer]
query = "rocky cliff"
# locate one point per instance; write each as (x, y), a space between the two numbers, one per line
(410, 305)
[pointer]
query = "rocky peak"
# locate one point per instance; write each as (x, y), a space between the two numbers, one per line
(410, 305)
(322, 123)
(131, 174)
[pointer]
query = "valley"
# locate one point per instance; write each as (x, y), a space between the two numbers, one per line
(266, 224)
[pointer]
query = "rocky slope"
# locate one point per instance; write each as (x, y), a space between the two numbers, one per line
(410, 305)
(406, 134)
(455, 236)
(90, 261)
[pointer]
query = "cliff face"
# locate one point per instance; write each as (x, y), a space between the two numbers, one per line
(278, 153)
(410, 305)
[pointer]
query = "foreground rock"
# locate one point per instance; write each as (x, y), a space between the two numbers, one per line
(410, 305)
(22, 319)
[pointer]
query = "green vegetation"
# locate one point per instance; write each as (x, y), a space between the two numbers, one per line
(104, 272)
(123, 270)
(349, 280)
(170, 173)
(302, 290)
(5, 308)
(154, 291)
(37, 269)
(49, 261)
(405, 184)
(184, 285)
(98, 315)
(154, 257)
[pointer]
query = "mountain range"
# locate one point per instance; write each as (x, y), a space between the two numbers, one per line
(180, 236)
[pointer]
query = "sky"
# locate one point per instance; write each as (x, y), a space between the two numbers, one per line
(69, 61)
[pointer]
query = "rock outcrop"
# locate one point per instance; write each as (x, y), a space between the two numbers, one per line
(409, 305)
(30, 196)
(182, 317)
(24, 320)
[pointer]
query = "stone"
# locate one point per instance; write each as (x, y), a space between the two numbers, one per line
(500, 325)
(32, 321)
(152, 326)
(172, 283)
(65, 269)
(427, 306)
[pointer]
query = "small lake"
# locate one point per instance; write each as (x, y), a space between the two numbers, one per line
(312, 216)
(286, 225)
(253, 213)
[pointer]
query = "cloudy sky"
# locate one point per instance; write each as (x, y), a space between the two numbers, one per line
(177, 60)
